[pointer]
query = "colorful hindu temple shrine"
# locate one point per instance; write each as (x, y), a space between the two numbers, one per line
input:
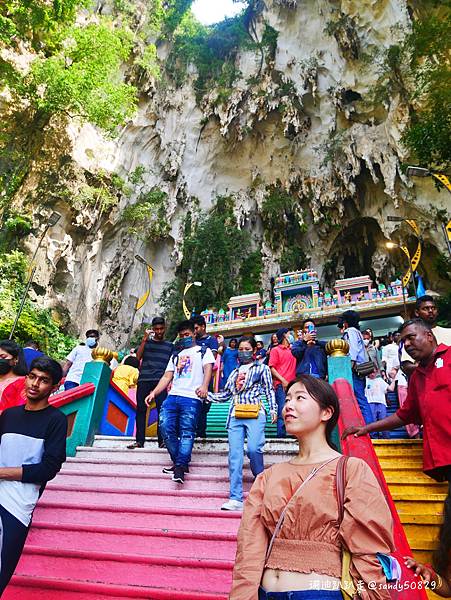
(297, 296)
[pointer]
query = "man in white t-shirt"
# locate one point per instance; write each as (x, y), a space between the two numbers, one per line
(78, 357)
(375, 392)
(189, 371)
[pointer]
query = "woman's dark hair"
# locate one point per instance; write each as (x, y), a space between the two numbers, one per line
(248, 338)
(441, 558)
(233, 340)
(16, 352)
(132, 361)
(49, 366)
(324, 394)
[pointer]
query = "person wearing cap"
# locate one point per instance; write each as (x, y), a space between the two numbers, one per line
(348, 323)
(283, 369)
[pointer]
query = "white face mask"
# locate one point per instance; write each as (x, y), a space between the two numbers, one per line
(366, 342)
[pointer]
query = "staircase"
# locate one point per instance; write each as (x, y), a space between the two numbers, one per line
(418, 498)
(111, 525)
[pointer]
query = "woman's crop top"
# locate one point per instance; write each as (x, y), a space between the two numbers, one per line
(311, 538)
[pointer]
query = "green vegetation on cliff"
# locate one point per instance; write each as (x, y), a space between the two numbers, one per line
(219, 255)
(35, 323)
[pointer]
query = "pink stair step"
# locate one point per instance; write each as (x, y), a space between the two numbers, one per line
(145, 542)
(158, 517)
(51, 588)
(143, 468)
(131, 497)
(129, 569)
(151, 481)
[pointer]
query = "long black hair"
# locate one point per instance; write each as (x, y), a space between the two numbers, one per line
(11, 347)
(324, 394)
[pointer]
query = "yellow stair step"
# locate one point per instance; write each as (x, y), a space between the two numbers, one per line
(404, 487)
(421, 519)
(420, 536)
(406, 465)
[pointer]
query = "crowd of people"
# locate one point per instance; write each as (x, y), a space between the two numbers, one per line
(289, 543)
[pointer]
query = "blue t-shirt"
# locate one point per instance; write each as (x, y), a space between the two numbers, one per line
(30, 354)
(209, 341)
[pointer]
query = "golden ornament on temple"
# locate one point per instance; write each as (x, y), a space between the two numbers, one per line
(337, 347)
(100, 354)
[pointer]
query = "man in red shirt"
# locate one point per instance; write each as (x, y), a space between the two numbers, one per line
(283, 369)
(428, 403)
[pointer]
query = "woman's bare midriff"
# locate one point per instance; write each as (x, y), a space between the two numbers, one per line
(274, 580)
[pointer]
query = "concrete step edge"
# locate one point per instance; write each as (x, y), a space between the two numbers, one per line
(184, 493)
(141, 531)
(157, 510)
(106, 590)
(96, 555)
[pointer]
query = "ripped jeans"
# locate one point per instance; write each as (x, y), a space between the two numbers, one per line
(178, 420)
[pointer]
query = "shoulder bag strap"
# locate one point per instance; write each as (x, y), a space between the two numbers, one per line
(283, 513)
(340, 483)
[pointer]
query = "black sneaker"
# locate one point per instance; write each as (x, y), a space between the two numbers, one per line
(179, 475)
(170, 470)
(135, 445)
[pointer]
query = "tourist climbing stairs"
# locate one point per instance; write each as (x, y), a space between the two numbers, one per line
(418, 498)
(112, 525)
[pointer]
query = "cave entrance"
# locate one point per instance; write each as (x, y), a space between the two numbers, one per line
(352, 252)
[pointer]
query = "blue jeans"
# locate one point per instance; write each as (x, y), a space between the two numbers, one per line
(358, 383)
(178, 420)
(379, 411)
(280, 401)
(254, 431)
(301, 595)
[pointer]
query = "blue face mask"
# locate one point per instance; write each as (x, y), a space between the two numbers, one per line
(290, 338)
(245, 356)
(187, 342)
(91, 342)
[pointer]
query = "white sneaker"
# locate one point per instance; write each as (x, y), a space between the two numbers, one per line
(232, 505)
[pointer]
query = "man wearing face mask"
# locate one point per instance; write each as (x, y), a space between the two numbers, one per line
(189, 371)
(207, 341)
(283, 369)
(75, 362)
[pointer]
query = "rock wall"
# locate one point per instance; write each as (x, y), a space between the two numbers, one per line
(299, 119)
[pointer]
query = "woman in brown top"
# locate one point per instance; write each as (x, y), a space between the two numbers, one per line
(305, 558)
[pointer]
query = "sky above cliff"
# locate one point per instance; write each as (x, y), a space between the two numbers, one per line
(213, 11)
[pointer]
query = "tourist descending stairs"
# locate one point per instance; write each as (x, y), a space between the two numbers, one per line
(112, 525)
(418, 498)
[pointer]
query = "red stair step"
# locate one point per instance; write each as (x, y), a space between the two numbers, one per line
(48, 588)
(129, 569)
(147, 541)
(135, 516)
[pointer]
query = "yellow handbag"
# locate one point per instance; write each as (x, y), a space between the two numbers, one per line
(347, 586)
(247, 411)
(348, 589)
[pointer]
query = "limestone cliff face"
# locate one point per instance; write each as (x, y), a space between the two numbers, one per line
(299, 118)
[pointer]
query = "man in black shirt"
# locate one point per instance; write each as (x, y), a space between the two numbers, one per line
(32, 450)
(155, 353)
